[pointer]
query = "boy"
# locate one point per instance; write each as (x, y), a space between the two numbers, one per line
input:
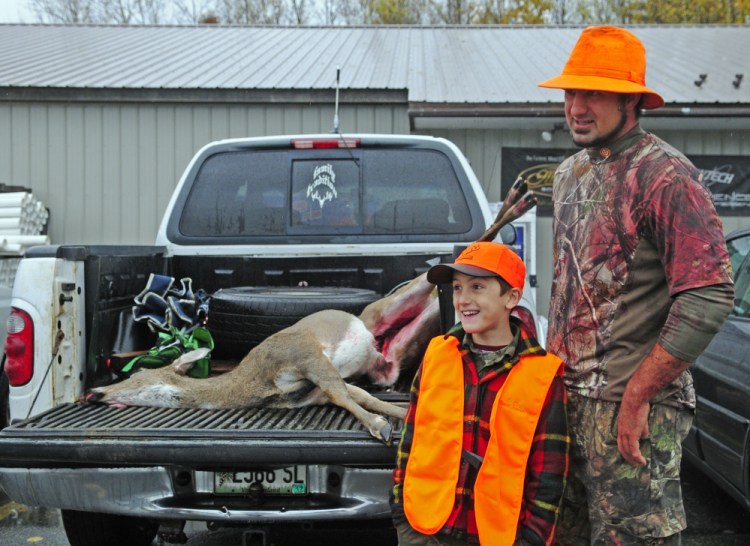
(484, 451)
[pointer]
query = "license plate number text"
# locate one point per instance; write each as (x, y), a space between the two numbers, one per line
(291, 480)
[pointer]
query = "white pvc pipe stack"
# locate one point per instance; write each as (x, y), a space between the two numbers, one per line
(22, 219)
(10, 212)
(15, 199)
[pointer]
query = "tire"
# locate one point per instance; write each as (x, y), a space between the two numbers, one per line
(240, 318)
(95, 529)
(4, 402)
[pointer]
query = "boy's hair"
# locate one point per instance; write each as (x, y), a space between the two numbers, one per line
(504, 286)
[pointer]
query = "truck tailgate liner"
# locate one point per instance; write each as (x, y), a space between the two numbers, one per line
(100, 420)
(138, 436)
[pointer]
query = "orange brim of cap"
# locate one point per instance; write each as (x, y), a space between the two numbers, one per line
(651, 99)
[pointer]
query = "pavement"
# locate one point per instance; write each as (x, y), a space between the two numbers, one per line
(714, 519)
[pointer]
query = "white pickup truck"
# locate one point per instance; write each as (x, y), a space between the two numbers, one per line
(5, 294)
(349, 218)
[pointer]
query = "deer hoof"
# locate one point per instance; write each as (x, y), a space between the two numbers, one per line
(383, 431)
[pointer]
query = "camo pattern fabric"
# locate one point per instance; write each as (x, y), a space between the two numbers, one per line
(633, 226)
(626, 505)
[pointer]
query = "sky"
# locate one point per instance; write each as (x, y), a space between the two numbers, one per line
(15, 11)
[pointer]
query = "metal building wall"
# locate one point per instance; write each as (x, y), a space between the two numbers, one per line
(106, 171)
(483, 149)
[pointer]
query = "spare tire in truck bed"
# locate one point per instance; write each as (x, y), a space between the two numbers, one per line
(239, 318)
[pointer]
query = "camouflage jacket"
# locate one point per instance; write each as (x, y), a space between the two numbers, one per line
(633, 226)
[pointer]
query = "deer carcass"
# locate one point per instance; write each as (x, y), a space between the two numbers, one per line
(305, 364)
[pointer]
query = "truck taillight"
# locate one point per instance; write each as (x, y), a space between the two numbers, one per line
(320, 143)
(19, 348)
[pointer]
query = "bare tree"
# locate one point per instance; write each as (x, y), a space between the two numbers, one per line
(249, 12)
(345, 12)
(366, 12)
(191, 12)
(298, 12)
(131, 12)
(454, 12)
(63, 11)
(125, 12)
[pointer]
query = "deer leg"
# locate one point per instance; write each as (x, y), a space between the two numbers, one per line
(327, 379)
(372, 403)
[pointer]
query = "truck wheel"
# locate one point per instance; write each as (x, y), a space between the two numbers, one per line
(4, 402)
(240, 318)
(95, 529)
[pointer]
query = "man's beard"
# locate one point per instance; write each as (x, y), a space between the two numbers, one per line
(603, 140)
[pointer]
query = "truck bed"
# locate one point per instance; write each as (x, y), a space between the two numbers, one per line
(103, 435)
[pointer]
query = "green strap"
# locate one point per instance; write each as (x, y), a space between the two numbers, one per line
(173, 344)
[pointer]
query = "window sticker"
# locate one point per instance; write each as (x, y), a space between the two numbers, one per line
(323, 186)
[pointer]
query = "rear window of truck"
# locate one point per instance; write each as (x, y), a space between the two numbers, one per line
(264, 193)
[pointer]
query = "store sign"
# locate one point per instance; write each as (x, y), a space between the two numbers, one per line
(537, 167)
(727, 176)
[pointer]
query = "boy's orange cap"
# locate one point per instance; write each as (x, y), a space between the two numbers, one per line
(607, 58)
(483, 259)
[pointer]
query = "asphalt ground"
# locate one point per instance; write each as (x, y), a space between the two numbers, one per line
(714, 519)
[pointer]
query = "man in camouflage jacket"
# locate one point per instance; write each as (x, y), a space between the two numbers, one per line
(642, 282)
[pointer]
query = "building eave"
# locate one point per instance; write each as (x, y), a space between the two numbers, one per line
(202, 95)
(424, 116)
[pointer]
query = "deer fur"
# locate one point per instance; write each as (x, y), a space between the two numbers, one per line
(306, 363)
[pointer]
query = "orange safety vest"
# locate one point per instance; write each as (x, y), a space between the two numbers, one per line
(435, 457)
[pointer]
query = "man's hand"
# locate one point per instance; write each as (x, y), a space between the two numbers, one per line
(632, 425)
(655, 373)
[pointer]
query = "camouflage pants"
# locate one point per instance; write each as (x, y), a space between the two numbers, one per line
(607, 500)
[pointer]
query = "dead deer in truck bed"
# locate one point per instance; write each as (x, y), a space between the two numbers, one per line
(304, 364)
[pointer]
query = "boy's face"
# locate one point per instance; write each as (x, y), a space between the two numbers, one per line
(482, 309)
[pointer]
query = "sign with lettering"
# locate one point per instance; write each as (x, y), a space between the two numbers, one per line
(726, 176)
(537, 167)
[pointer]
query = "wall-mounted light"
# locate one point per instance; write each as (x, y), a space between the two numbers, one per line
(737, 80)
(701, 80)
(548, 134)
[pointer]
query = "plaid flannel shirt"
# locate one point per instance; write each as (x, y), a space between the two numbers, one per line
(547, 467)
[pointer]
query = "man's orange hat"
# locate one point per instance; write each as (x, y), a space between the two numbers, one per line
(607, 58)
(483, 259)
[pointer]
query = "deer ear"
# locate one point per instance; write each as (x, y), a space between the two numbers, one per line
(184, 363)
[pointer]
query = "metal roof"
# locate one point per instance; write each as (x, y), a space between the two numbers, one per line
(454, 65)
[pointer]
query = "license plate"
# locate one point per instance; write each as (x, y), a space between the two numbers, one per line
(291, 480)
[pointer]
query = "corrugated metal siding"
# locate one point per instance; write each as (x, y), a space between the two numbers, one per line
(471, 64)
(107, 171)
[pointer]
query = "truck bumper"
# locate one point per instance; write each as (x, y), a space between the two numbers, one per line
(159, 492)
